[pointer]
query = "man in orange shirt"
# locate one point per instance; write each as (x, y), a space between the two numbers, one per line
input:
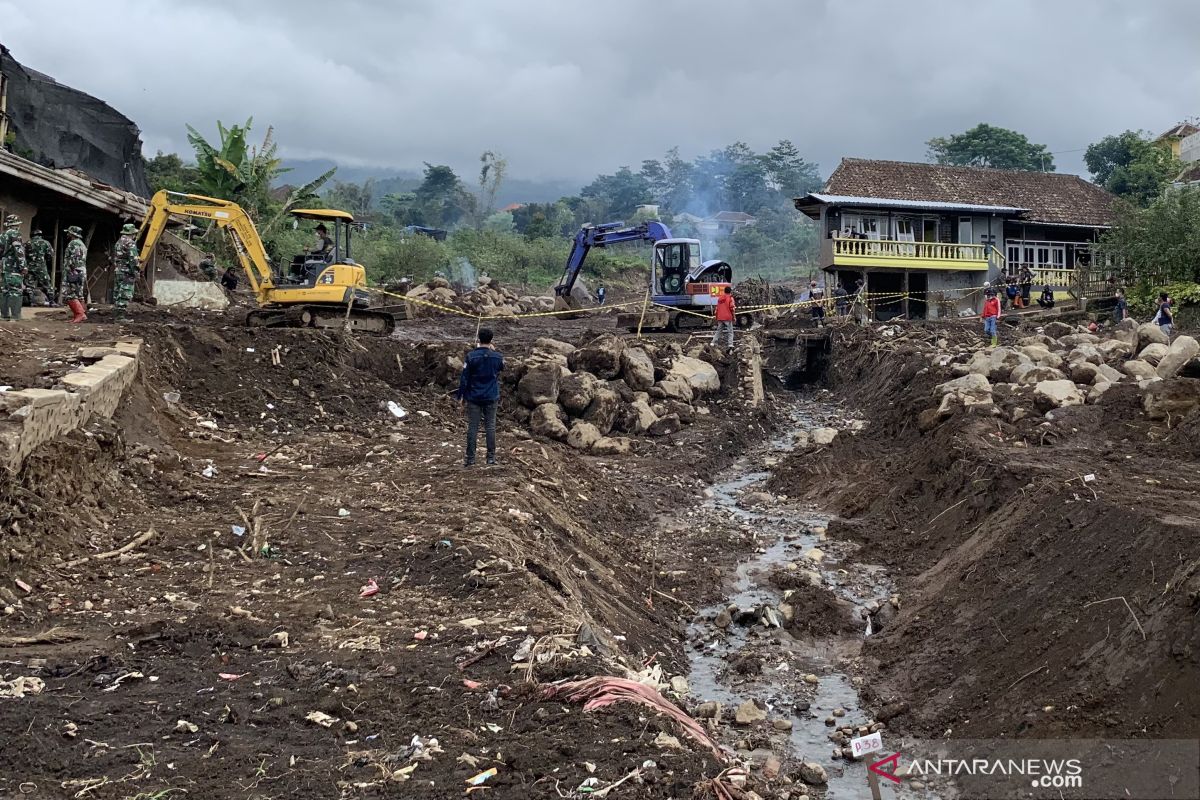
(725, 307)
(991, 315)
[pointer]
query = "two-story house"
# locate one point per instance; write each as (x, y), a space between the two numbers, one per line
(925, 235)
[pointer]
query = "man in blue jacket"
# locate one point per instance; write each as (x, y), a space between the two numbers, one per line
(479, 392)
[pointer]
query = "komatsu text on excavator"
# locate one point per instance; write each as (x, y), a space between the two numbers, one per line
(683, 287)
(321, 289)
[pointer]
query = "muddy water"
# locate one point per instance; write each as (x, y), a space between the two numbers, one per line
(786, 532)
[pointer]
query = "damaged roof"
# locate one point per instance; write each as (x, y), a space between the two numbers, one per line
(1048, 197)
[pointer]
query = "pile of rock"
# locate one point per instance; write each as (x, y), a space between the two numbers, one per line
(588, 396)
(488, 299)
(1067, 366)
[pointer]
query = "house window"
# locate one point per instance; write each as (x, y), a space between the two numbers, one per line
(904, 230)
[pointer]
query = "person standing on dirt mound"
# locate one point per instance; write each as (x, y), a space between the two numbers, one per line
(126, 269)
(74, 287)
(725, 309)
(12, 268)
(991, 315)
(479, 392)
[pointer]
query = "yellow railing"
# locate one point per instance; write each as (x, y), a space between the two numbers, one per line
(921, 251)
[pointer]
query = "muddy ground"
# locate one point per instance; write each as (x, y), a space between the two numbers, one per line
(233, 654)
(276, 493)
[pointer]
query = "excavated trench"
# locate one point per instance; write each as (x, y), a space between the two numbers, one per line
(795, 666)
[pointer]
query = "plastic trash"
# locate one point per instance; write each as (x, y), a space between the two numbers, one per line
(342, 512)
(481, 778)
(238, 530)
(368, 589)
(397, 411)
(171, 397)
(207, 423)
(209, 471)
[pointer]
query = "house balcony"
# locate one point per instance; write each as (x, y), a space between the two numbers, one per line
(882, 254)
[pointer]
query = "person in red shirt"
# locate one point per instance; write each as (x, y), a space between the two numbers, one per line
(725, 307)
(991, 315)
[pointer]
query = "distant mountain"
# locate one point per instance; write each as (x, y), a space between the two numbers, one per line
(390, 180)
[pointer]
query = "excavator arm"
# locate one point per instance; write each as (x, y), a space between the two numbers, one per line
(224, 214)
(601, 236)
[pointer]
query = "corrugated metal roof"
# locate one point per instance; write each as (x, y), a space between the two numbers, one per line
(932, 205)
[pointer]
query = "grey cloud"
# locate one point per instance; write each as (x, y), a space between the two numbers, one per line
(567, 89)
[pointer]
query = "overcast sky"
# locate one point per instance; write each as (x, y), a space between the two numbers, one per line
(568, 89)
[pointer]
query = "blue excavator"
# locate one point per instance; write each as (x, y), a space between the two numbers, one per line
(680, 280)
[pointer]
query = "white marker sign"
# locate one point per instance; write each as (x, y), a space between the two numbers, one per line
(871, 743)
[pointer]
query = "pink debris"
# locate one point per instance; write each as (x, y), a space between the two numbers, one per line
(229, 676)
(604, 690)
(369, 589)
(420, 635)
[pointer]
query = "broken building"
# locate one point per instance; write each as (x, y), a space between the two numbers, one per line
(68, 159)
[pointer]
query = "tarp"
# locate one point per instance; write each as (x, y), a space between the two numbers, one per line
(61, 127)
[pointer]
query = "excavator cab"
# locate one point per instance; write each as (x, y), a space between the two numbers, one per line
(674, 260)
(311, 267)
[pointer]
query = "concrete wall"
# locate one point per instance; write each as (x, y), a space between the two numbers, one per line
(22, 208)
(30, 418)
(954, 280)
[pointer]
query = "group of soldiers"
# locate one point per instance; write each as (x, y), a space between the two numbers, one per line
(21, 262)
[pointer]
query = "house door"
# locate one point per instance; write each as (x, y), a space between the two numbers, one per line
(918, 286)
(929, 230)
(966, 233)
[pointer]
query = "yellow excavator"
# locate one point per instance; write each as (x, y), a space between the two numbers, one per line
(321, 289)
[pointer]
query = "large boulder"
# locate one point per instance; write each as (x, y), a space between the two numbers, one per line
(637, 369)
(602, 411)
(1172, 398)
(583, 435)
(601, 356)
(548, 421)
(700, 375)
(1082, 371)
(612, 446)
(1032, 374)
(643, 416)
(576, 391)
(1057, 329)
(1105, 373)
(972, 384)
(664, 426)
(1150, 333)
(547, 345)
(822, 436)
(1056, 394)
(1115, 348)
(1126, 332)
(1139, 370)
(1085, 352)
(1035, 352)
(1153, 353)
(1077, 339)
(539, 385)
(1182, 350)
(996, 363)
(675, 387)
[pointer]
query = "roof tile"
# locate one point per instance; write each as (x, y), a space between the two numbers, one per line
(1050, 196)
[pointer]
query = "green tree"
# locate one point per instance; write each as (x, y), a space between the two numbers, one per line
(441, 199)
(789, 174)
(1132, 165)
(234, 170)
(353, 197)
(168, 171)
(401, 208)
(1162, 239)
(989, 146)
(492, 168)
(619, 194)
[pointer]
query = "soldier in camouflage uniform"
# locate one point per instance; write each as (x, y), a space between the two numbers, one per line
(38, 257)
(126, 270)
(74, 286)
(12, 265)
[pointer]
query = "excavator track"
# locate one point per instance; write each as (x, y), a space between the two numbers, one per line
(380, 323)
